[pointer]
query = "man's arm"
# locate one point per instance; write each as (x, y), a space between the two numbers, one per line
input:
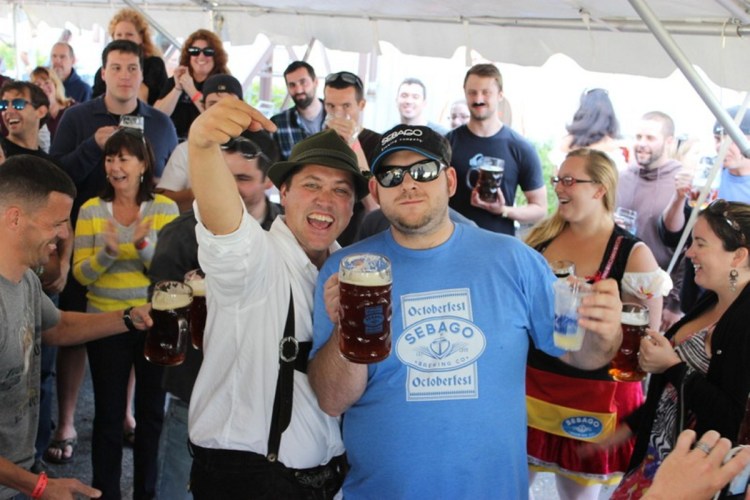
(24, 481)
(78, 156)
(600, 315)
(337, 382)
(184, 198)
(674, 213)
(533, 211)
(76, 328)
(214, 187)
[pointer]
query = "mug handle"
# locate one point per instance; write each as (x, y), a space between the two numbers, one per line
(470, 184)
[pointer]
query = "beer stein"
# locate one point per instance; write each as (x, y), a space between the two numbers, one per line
(624, 367)
(365, 282)
(489, 178)
(166, 341)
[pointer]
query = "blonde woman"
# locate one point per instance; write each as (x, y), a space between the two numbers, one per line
(129, 24)
(582, 230)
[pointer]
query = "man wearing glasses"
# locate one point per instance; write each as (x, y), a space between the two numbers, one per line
(24, 107)
(344, 100)
(306, 117)
(175, 182)
(444, 415)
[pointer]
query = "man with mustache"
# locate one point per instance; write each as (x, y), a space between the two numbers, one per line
(485, 135)
(306, 116)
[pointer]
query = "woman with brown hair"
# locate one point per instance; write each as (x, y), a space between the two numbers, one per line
(202, 55)
(129, 24)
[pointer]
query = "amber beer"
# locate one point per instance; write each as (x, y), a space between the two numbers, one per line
(624, 367)
(365, 299)
(195, 279)
(166, 341)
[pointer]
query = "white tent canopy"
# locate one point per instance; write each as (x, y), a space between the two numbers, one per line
(600, 35)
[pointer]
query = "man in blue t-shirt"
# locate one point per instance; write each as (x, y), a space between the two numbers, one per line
(735, 176)
(485, 135)
(444, 415)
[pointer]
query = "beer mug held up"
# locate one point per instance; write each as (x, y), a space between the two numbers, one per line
(365, 282)
(167, 340)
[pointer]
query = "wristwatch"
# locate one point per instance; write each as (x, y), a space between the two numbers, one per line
(128, 320)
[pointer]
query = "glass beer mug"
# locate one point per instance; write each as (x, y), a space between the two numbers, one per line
(166, 341)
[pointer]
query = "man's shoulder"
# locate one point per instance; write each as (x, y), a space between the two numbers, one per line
(150, 112)
(184, 222)
(87, 108)
(286, 117)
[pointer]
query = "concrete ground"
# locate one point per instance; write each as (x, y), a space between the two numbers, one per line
(543, 487)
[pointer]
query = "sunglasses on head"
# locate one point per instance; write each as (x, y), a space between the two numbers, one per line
(207, 51)
(720, 208)
(345, 77)
(17, 103)
(568, 181)
(245, 147)
(422, 171)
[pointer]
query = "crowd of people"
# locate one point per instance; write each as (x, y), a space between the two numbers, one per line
(106, 191)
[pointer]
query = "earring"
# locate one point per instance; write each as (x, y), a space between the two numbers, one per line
(733, 274)
(141, 181)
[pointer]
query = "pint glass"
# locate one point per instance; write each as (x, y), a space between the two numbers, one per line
(567, 333)
(195, 279)
(166, 341)
(365, 315)
(624, 367)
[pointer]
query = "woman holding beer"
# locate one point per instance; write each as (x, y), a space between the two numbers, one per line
(582, 230)
(700, 377)
(114, 241)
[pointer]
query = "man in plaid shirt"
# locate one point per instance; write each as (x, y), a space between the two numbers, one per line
(307, 115)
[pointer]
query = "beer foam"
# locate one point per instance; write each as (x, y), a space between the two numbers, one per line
(199, 287)
(634, 319)
(165, 302)
(492, 168)
(365, 278)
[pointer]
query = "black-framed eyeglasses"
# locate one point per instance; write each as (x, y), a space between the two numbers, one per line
(568, 180)
(345, 77)
(720, 208)
(243, 146)
(423, 171)
(207, 51)
(18, 104)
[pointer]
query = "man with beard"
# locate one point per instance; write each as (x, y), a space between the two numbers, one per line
(646, 187)
(460, 336)
(485, 135)
(307, 115)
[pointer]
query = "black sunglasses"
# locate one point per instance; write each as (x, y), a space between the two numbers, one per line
(247, 148)
(423, 171)
(720, 208)
(345, 77)
(17, 103)
(568, 181)
(207, 51)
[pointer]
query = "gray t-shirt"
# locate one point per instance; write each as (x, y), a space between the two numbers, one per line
(24, 313)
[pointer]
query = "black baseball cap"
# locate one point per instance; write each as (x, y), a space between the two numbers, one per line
(324, 148)
(422, 140)
(222, 83)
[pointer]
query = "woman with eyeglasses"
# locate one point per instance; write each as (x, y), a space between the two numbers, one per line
(115, 238)
(181, 98)
(129, 24)
(594, 126)
(582, 230)
(700, 375)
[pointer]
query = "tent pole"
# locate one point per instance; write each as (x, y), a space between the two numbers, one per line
(684, 65)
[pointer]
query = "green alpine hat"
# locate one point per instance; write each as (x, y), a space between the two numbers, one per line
(326, 149)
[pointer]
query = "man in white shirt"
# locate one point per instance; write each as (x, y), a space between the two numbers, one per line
(253, 278)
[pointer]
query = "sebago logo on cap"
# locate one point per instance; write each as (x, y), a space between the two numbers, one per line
(406, 132)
